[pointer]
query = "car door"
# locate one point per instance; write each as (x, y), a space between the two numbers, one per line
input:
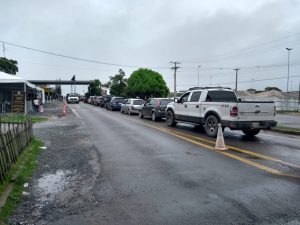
(180, 108)
(145, 108)
(194, 107)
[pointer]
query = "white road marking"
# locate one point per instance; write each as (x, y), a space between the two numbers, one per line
(76, 114)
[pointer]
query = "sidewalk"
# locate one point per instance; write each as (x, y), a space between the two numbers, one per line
(288, 123)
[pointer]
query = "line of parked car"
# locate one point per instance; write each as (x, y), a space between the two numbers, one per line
(155, 108)
(201, 106)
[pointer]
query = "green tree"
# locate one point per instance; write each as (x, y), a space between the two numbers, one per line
(94, 88)
(118, 84)
(9, 66)
(145, 83)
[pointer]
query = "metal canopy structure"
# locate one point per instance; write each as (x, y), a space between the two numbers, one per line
(61, 82)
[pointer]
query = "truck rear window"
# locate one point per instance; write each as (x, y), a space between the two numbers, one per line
(221, 96)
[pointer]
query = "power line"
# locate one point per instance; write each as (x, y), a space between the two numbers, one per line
(247, 49)
(246, 81)
(80, 59)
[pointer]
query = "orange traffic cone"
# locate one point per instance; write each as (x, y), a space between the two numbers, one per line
(65, 111)
(220, 144)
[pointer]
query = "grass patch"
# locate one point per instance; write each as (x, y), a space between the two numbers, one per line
(14, 118)
(38, 119)
(287, 128)
(24, 167)
(287, 112)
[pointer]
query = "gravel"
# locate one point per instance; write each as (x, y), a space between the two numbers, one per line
(67, 172)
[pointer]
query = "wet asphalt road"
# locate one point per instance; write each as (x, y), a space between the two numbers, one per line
(151, 175)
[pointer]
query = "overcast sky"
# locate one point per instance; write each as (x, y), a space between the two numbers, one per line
(217, 35)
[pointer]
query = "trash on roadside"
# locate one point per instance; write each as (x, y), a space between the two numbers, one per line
(25, 185)
(25, 193)
(43, 147)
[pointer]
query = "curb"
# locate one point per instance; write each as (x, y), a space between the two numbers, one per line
(285, 131)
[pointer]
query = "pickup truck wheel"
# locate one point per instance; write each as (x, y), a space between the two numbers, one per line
(251, 132)
(141, 115)
(211, 126)
(170, 119)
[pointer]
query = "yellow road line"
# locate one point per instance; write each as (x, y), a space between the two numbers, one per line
(258, 155)
(246, 161)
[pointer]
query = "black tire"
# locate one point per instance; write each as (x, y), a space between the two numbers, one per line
(211, 126)
(153, 117)
(170, 120)
(251, 132)
(141, 115)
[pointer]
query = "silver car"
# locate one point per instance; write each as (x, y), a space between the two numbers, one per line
(132, 105)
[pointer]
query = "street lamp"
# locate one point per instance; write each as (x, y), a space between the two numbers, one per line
(198, 74)
(288, 75)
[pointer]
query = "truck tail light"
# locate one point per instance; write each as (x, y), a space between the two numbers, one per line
(234, 111)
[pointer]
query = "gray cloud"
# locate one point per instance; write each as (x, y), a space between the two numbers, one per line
(151, 33)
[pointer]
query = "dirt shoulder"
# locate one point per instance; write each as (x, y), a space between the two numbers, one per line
(68, 169)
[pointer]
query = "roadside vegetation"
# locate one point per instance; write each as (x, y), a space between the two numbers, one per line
(20, 173)
(13, 118)
(142, 83)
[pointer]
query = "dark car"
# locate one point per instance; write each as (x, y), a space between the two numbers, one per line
(155, 108)
(115, 103)
(104, 100)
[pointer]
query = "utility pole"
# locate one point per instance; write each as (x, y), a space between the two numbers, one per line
(236, 78)
(198, 74)
(175, 69)
(3, 48)
(288, 77)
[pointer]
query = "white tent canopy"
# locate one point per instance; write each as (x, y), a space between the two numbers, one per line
(6, 78)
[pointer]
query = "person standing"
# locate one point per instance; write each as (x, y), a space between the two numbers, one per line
(36, 105)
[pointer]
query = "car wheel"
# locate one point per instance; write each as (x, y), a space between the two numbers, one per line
(251, 132)
(211, 126)
(170, 119)
(141, 115)
(154, 117)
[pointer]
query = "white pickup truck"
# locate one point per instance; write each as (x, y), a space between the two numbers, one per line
(209, 106)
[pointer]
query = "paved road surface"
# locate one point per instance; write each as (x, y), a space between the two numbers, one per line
(288, 120)
(153, 175)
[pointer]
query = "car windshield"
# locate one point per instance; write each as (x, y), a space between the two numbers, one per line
(138, 102)
(165, 101)
(73, 96)
(118, 100)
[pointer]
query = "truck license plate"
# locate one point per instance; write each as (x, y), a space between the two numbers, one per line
(255, 124)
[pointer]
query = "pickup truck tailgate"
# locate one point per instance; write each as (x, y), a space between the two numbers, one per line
(255, 111)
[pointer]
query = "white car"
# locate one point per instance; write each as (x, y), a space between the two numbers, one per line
(210, 106)
(73, 98)
(132, 105)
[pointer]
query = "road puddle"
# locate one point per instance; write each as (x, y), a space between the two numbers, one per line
(51, 185)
